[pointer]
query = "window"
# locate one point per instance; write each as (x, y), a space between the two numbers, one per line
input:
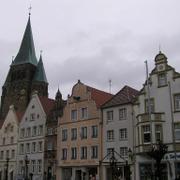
(158, 131)
(84, 113)
(162, 79)
(124, 151)
(50, 131)
(83, 152)
(34, 131)
(73, 153)
(40, 130)
(151, 102)
(177, 131)
(122, 114)
(49, 146)
(22, 133)
(40, 146)
(21, 167)
(12, 140)
(33, 165)
(94, 131)
(32, 116)
(13, 154)
(73, 133)
(39, 166)
(146, 134)
(109, 152)
(84, 133)
(21, 150)
(177, 102)
(64, 154)
(7, 153)
(94, 152)
(27, 147)
(4, 141)
(33, 147)
(123, 134)
(109, 115)
(28, 132)
(74, 114)
(110, 135)
(64, 135)
(2, 155)
(12, 128)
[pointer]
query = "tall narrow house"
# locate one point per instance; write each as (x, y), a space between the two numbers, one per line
(25, 75)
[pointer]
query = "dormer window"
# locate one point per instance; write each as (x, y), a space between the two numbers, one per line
(162, 79)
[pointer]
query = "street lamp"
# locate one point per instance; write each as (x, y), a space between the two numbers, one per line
(26, 166)
(7, 167)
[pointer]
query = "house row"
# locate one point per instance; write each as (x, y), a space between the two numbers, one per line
(92, 134)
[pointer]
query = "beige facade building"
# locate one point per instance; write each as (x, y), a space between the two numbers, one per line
(79, 134)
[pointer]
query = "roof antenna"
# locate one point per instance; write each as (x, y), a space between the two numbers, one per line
(110, 85)
(30, 7)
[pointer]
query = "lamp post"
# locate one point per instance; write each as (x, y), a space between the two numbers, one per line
(7, 167)
(26, 167)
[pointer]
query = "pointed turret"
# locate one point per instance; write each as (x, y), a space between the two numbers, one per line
(26, 52)
(40, 74)
(40, 82)
(58, 95)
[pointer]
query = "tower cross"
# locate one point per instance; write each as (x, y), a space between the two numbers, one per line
(30, 7)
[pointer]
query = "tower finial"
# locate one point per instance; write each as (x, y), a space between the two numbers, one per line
(159, 48)
(30, 7)
(41, 51)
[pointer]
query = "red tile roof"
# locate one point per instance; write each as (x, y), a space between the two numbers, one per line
(100, 97)
(125, 95)
(19, 115)
(47, 104)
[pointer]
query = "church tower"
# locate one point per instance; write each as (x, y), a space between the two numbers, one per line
(25, 75)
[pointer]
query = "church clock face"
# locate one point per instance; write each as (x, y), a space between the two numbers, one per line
(161, 67)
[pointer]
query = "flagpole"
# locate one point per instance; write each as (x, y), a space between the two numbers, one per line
(149, 113)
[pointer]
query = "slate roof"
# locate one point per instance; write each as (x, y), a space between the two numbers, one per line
(124, 96)
(26, 52)
(47, 104)
(100, 97)
(40, 74)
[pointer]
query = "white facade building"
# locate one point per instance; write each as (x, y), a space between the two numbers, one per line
(118, 133)
(30, 159)
(158, 119)
(8, 144)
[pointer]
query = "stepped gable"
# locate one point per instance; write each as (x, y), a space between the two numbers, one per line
(125, 95)
(47, 104)
(100, 97)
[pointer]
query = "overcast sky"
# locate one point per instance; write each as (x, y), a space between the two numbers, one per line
(92, 40)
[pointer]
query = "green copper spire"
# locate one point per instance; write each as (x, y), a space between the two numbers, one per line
(40, 74)
(26, 52)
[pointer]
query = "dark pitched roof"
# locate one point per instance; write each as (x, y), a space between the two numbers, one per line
(26, 52)
(1, 123)
(47, 104)
(40, 74)
(100, 97)
(124, 96)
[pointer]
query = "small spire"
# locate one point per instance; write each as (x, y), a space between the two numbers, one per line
(12, 59)
(30, 7)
